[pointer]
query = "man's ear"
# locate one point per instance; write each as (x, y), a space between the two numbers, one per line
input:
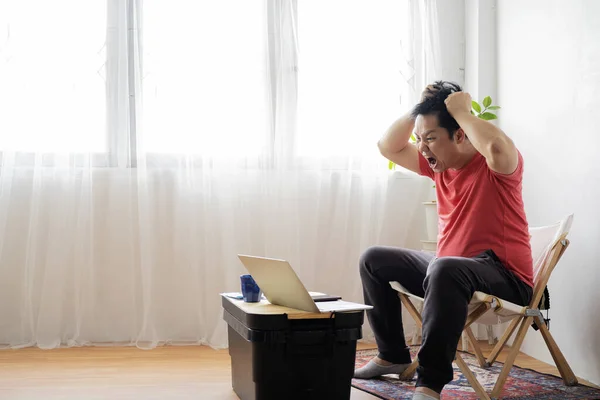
(460, 136)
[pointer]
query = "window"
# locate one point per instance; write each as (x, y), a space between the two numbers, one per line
(206, 88)
(349, 80)
(204, 77)
(52, 56)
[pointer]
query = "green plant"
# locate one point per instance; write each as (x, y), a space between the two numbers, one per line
(485, 113)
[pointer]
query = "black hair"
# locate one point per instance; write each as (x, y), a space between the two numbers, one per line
(432, 103)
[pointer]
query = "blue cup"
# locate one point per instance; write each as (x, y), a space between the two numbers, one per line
(250, 289)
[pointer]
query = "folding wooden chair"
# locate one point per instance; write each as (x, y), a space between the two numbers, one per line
(548, 245)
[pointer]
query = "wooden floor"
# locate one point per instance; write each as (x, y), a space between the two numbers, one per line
(129, 373)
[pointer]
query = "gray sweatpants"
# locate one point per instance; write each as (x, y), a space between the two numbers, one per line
(447, 285)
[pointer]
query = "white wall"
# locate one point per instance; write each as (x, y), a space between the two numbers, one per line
(480, 51)
(549, 89)
(451, 19)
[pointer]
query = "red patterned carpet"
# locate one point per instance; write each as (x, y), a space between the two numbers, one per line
(521, 384)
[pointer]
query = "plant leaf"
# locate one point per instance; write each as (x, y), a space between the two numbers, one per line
(493, 107)
(391, 165)
(413, 138)
(488, 116)
(487, 101)
(475, 106)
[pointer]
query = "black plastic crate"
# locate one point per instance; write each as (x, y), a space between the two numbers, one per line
(273, 357)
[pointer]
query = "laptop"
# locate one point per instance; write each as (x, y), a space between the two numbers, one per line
(281, 286)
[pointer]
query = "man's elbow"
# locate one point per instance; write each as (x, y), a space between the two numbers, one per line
(502, 155)
(386, 150)
(383, 149)
(500, 145)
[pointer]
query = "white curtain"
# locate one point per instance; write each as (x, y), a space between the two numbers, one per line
(146, 144)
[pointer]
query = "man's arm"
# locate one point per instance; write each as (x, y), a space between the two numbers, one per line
(395, 146)
(498, 149)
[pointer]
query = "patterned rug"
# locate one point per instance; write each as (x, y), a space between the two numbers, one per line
(522, 384)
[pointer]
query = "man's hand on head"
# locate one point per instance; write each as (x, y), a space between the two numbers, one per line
(458, 103)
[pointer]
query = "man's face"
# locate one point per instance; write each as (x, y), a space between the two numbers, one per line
(434, 143)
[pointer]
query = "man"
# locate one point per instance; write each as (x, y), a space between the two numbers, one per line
(483, 242)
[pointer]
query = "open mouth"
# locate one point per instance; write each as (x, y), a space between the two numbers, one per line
(432, 162)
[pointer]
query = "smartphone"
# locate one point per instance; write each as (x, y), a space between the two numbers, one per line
(325, 297)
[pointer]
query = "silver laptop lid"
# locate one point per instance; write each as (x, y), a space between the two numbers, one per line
(279, 282)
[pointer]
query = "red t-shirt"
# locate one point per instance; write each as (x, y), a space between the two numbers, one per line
(479, 210)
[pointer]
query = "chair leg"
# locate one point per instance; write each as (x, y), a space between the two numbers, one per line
(512, 355)
(478, 353)
(502, 342)
(478, 312)
(559, 359)
(409, 372)
(471, 378)
(412, 310)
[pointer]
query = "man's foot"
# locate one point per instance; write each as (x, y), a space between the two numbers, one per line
(377, 367)
(423, 393)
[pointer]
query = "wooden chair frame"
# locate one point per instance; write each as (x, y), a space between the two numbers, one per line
(522, 318)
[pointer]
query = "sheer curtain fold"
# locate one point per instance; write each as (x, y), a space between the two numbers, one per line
(225, 128)
(422, 52)
(282, 51)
